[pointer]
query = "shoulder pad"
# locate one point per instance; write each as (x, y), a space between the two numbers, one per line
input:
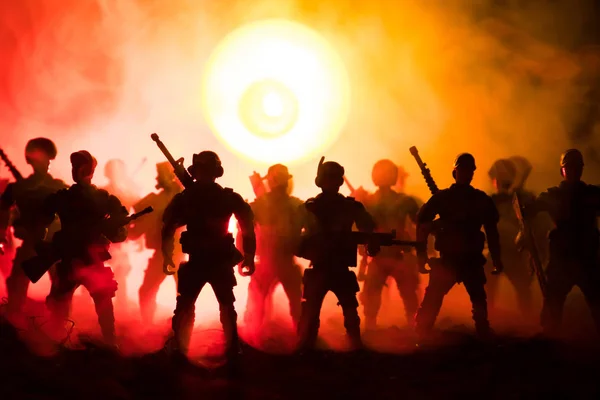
(229, 190)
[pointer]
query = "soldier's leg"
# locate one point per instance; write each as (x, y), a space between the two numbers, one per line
(441, 280)
(189, 287)
(223, 285)
(101, 284)
(345, 288)
(559, 284)
(407, 280)
(258, 289)
(315, 289)
(60, 297)
(371, 293)
(590, 286)
(17, 282)
(521, 279)
(153, 277)
(475, 285)
(291, 280)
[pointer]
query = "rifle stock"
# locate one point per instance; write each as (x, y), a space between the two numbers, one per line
(13, 170)
(180, 172)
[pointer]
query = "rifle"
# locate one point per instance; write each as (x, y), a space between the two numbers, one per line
(258, 184)
(48, 253)
(425, 171)
(319, 246)
(530, 244)
(13, 170)
(178, 168)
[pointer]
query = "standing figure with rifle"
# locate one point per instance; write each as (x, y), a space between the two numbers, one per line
(150, 228)
(504, 173)
(121, 186)
(328, 244)
(278, 222)
(90, 219)
(392, 211)
(574, 207)
(26, 197)
(462, 211)
(205, 208)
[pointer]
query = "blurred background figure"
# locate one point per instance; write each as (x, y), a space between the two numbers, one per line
(278, 220)
(392, 210)
(150, 228)
(121, 185)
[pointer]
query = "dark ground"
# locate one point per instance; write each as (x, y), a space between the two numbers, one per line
(511, 367)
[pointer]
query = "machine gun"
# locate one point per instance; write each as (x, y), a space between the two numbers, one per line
(178, 168)
(258, 184)
(425, 171)
(11, 167)
(49, 253)
(530, 245)
(322, 246)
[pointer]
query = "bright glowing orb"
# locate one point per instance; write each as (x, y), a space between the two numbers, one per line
(276, 91)
(272, 104)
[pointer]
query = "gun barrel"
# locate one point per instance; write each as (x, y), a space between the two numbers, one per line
(183, 176)
(11, 167)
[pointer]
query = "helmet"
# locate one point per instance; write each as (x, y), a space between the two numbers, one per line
(385, 173)
(465, 160)
(278, 175)
(571, 157)
(331, 171)
(44, 145)
(207, 161)
(83, 159)
(503, 171)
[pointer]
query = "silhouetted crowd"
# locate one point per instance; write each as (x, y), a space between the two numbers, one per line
(70, 232)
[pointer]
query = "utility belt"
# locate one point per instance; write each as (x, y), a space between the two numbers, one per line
(192, 243)
(88, 251)
(456, 242)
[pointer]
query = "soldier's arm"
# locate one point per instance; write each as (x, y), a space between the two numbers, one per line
(118, 214)
(425, 218)
(7, 200)
(490, 224)
(411, 207)
(171, 222)
(363, 220)
(245, 217)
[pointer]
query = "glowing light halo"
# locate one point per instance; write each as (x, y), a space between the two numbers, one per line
(297, 57)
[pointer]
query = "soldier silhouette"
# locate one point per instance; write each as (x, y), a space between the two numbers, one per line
(574, 207)
(150, 227)
(504, 175)
(462, 211)
(391, 210)
(28, 196)
(205, 208)
(279, 224)
(83, 244)
(329, 219)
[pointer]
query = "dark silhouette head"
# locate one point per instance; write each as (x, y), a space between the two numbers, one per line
(39, 152)
(83, 166)
(571, 165)
(206, 167)
(503, 174)
(464, 169)
(384, 174)
(330, 176)
(278, 178)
